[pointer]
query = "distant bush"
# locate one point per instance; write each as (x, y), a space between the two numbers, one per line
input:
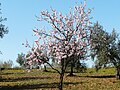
(6, 64)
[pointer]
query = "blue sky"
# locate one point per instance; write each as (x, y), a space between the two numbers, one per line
(21, 20)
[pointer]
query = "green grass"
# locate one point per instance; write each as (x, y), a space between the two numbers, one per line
(38, 80)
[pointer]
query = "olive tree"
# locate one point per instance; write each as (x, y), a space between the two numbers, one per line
(105, 48)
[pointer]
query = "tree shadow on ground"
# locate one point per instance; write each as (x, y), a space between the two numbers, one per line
(26, 87)
(11, 73)
(47, 85)
(22, 79)
(95, 76)
(103, 76)
(38, 86)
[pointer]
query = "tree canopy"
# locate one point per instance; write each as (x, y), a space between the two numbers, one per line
(3, 28)
(68, 38)
(105, 47)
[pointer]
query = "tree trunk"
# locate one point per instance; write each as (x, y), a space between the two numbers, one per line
(61, 75)
(45, 69)
(61, 81)
(118, 73)
(71, 71)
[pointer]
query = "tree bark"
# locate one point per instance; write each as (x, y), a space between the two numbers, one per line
(71, 71)
(62, 75)
(61, 81)
(118, 73)
(71, 68)
(45, 69)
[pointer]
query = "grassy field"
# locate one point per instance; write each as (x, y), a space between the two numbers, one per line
(38, 80)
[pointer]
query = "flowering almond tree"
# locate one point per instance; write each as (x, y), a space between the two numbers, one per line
(68, 38)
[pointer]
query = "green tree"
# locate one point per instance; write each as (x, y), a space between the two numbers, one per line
(3, 28)
(105, 48)
(21, 59)
(75, 64)
(80, 66)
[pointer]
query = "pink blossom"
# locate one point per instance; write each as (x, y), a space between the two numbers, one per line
(59, 57)
(65, 56)
(55, 31)
(70, 54)
(61, 17)
(67, 47)
(42, 54)
(30, 62)
(66, 42)
(84, 35)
